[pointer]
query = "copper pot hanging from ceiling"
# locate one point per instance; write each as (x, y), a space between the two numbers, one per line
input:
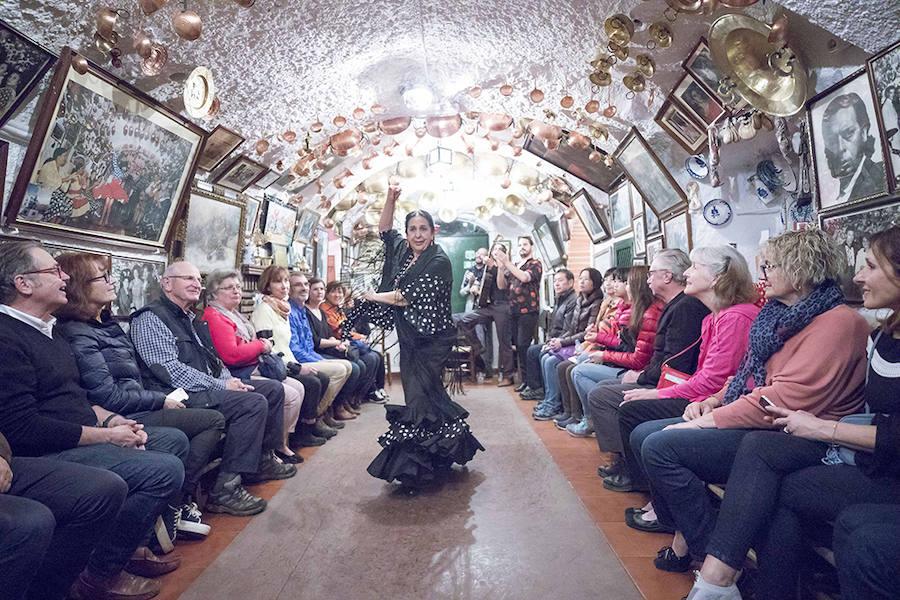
(474, 91)
(153, 64)
(377, 109)
(548, 134)
(441, 127)
(106, 20)
(339, 121)
(148, 7)
(579, 141)
(395, 125)
(317, 126)
(289, 136)
(142, 44)
(567, 101)
(358, 113)
(506, 89)
(536, 95)
(80, 64)
(592, 106)
(262, 146)
(346, 141)
(495, 121)
(188, 25)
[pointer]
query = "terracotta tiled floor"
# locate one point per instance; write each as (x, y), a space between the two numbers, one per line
(577, 460)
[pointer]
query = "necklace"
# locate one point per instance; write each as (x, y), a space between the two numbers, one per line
(406, 266)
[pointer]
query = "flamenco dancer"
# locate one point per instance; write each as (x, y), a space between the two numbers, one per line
(430, 433)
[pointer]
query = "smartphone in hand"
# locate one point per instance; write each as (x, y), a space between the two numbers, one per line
(765, 403)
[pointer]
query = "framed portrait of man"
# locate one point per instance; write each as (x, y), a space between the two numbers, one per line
(884, 74)
(847, 151)
(683, 129)
(105, 159)
(697, 101)
(22, 65)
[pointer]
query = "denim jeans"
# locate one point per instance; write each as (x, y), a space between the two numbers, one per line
(679, 463)
(50, 519)
(867, 551)
(637, 420)
(152, 477)
(533, 376)
(586, 375)
(551, 381)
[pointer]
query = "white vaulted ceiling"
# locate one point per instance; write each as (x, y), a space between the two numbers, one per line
(282, 64)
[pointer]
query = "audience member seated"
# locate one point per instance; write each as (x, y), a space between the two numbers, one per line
(632, 349)
(240, 349)
(45, 536)
(176, 351)
(719, 278)
(563, 288)
(587, 305)
(610, 303)
(44, 413)
(805, 314)
(676, 332)
(779, 488)
(346, 405)
(271, 316)
(112, 379)
(333, 309)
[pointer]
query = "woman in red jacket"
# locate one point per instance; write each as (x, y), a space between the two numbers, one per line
(633, 350)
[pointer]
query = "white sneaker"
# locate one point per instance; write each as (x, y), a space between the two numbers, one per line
(190, 522)
(703, 590)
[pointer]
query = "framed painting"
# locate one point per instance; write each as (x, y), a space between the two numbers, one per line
(637, 203)
(575, 161)
(699, 63)
(592, 220)
(852, 230)
(251, 214)
(620, 210)
(683, 129)
(136, 281)
(241, 174)
(550, 243)
(220, 143)
(22, 65)
(306, 226)
(884, 75)
(602, 258)
(677, 231)
(214, 233)
(640, 238)
(649, 176)
(104, 160)
(652, 226)
(321, 253)
(280, 222)
(697, 101)
(847, 153)
(268, 179)
(653, 248)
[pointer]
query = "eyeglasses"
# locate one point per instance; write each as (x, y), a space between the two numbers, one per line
(230, 288)
(650, 273)
(105, 277)
(49, 270)
(186, 278)
(766, 266)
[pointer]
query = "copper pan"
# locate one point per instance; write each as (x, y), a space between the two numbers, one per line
(142, 44)
(395, 125)
(188, 25)
(106, 23)
(345, 141)
(567, 101)
(80, 64)
(151, 6)
(495, 121)
(441, 127)
(579, 141)
(153, 64)
(548, 134)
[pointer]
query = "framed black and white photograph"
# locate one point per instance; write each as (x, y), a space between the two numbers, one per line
(884, 74)
(847, 152)
(306, 226)
(697, 101)
(575, 161)
(136, 282)
(592, 220)
(251, 214)
(637, 203)
(546, 236)
(852, 230)
(22, 65)
(652, 226)
(649, 176)
(214, 237)
(220, 143)
(104, 160)
(280, 222)
(620, 210)
(653, 248)
(683, 129)
(268, 179)
(677, 231)
(640, 239)
(241, 174)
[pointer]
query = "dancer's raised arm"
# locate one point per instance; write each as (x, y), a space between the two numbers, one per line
(387, 215)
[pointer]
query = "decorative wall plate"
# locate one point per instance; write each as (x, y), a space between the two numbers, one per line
(718, 212)
(697, 167)
(199, 92)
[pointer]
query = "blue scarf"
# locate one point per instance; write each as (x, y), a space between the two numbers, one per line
(776, 324)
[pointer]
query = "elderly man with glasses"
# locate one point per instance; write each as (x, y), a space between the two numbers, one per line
(176, 351)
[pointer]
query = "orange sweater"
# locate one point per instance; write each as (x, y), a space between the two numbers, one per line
(821, 370)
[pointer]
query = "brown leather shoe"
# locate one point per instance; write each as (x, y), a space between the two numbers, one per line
(343, 415)
(353, 410)
(123, 586)
(506, 382)
(146, 564)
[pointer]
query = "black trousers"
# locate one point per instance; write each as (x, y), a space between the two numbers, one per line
(867, 551)
(50, 520)
(499, 314)
(203, 428)
(567, 389)
(254, 422)
(313, 388)
(632, 414)
(524, 327)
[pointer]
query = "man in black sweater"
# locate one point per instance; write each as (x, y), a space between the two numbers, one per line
(679, 327)
(44, 412)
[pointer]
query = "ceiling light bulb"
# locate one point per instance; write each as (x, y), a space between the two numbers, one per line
(418, 97)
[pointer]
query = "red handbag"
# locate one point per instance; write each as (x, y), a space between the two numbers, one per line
(669, 376)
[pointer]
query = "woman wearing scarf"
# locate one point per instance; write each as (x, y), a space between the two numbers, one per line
(804, 320)
(430, 433)
(787, 481)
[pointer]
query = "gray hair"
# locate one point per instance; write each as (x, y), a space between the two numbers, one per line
(214, 281)
(15, 258)
(734, 284)
(676, 262)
